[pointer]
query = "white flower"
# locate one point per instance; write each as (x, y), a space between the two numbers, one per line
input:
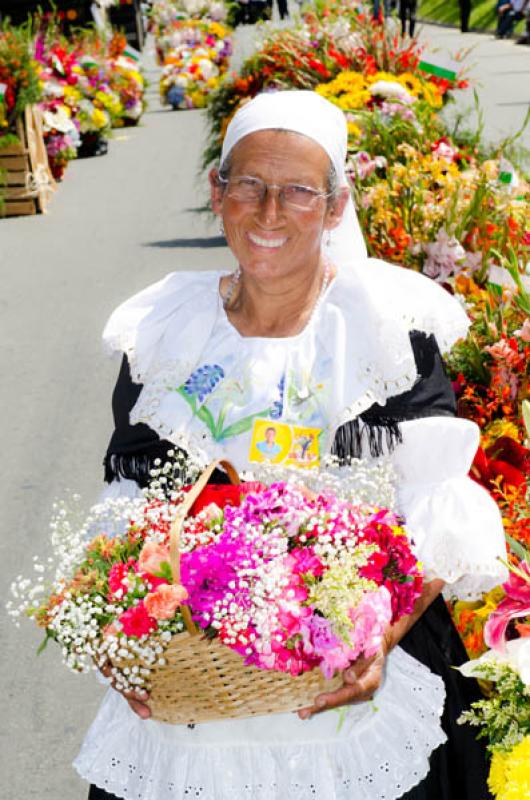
(392, 89)
(516, 656)
(445, 256)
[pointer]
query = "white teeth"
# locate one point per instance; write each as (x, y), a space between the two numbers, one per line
(266, 242)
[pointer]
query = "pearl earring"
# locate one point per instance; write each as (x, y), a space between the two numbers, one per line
(221, 228)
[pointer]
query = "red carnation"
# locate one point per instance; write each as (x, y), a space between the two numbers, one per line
(137, 622)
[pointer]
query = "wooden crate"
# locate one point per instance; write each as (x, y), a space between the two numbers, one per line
(28, 181)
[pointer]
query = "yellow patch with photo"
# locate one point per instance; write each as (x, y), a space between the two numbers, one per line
(280, 443)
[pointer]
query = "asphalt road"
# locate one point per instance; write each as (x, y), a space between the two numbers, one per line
(116, 224)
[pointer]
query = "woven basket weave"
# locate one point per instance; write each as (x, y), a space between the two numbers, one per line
(203, 679)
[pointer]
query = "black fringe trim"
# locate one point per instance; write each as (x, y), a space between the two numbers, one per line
(134, 467)
(137, 467)
(354, 436)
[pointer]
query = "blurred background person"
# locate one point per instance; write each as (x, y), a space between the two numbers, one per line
(407, 11)
(465, 11)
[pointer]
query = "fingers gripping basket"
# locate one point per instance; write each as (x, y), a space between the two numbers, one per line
(203, 679)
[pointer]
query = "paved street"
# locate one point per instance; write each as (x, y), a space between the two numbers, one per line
(116, 224)
(500, 71)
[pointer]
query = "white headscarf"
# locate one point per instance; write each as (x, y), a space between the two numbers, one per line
(311, 115)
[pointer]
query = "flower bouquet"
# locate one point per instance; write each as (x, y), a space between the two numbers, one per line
(504, 717)
(227, 601)
(61, 136)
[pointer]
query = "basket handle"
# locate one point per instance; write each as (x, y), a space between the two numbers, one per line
(176, 527)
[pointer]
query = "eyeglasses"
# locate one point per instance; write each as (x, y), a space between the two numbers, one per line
(247, 189)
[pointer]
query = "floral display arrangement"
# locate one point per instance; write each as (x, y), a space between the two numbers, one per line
(193, 45)
(289, 579)
(333, 42)
(89, 87)
(84, 84)
(193, 65)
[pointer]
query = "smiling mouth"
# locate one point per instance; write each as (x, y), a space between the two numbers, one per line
(266, 242)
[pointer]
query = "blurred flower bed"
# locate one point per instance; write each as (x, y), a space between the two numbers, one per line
(440, 202)
(84, 84)
(193, 46)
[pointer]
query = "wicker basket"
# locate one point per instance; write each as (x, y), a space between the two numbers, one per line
(203, 679)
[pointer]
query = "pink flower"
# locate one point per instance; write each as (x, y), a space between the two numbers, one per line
(304, 561)
(371, 618)
(137, 622)
(392, 109)
(110, 630)
(501, 351)
(445, 257)
(320, 641)
(473, 262)
(118, 577)
(362, 165)
(516, 604)
(162, 603)
(152, 556)
(524, 332)
(444, 150)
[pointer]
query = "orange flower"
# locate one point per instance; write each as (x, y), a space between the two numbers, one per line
(164, 601)
(152, 556)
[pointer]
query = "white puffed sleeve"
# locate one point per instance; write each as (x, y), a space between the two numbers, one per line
(455, 523)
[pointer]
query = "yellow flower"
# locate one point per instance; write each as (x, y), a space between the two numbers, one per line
(432, 95)
(137, 77)
(198, 99)
(498, 428)
(348, 90)
(217, 29)
(354, 130)
(497, 774)
(72, 94)
(99, 118)
(509, 777)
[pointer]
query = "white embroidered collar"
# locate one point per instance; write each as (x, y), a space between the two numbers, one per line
(358, 340)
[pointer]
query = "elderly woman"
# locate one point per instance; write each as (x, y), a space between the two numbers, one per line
(306, 332)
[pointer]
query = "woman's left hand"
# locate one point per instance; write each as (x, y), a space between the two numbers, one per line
(360, 682)
(363, 677)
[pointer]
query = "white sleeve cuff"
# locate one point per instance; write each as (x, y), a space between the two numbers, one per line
(455, 523)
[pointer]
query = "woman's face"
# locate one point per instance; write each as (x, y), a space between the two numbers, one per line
(269, 239)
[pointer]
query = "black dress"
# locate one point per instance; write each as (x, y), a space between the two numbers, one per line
(459, 767)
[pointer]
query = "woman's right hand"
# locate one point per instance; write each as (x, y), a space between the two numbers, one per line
(137, 698)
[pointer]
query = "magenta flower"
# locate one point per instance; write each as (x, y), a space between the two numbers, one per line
(305, 562)
(320, 641)
(516, 604)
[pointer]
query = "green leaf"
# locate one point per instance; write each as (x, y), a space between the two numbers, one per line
(42, 647)
(243, 425)
(164, 572)
(205, 415)
(518, 549)
(190, 399)
(201, 412)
